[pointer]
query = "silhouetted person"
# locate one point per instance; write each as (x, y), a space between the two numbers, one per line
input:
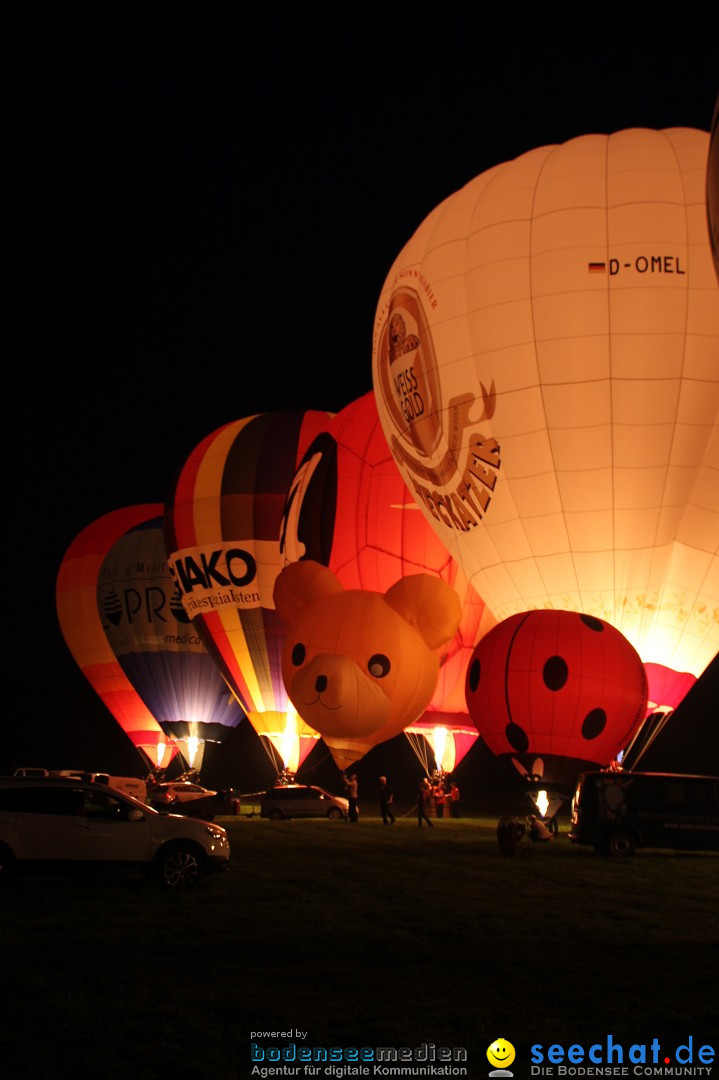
(352, 798)
(424, 792)
(386, 798)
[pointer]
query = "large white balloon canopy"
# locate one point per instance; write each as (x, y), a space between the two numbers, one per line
(545, 361)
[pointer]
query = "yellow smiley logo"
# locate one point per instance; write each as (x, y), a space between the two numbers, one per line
(500, 1053)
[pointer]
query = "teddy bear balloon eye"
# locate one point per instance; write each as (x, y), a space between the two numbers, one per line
(299, 653)
(378, 665)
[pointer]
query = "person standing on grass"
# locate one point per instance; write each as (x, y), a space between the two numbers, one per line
(386, 798)
(454, 797)
(352, 795)
(440, 798)
(423, 795)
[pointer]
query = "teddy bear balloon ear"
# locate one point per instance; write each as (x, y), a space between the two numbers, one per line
(301, 583)
(430, 605)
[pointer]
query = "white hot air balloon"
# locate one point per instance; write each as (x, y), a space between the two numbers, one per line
(546, 365)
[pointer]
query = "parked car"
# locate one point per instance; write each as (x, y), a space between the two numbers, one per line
(55, 824)
(129, 784)
(618, 812)
(192, 799)
(302, 800)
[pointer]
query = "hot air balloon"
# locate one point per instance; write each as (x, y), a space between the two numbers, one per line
(82, 627)
(360, 665)
(348, 508)
(156, 645)
(556, 693)
(222, 532)
(545, 365)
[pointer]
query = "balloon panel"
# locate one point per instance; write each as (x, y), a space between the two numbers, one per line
(556, 685)
(81, 625)
(154, 641)
(544, 362)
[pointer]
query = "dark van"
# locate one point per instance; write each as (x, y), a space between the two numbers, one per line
(618, 812)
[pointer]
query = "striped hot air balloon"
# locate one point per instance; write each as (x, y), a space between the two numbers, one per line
(222, 528)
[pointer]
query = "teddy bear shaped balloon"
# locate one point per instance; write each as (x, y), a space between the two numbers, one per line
(359, 666)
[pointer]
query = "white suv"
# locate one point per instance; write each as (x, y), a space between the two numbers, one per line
(62, 823)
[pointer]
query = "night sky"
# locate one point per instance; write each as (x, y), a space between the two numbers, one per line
(202, 210)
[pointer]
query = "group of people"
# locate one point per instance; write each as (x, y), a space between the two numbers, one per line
(432, 797)
(435, 797)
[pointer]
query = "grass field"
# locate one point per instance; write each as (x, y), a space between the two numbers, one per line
(360, 935)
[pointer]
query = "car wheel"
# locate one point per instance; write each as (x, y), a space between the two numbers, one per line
(335, 814)
(621, 843)
(179, 868)
(276, 815)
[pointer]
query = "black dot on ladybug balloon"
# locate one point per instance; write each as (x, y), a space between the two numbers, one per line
(475, 671)
(517, 738)
(555, 673)
(593, 624)
(594, 723)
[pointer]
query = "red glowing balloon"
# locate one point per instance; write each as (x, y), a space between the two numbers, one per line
(556, 692)
(349, 508)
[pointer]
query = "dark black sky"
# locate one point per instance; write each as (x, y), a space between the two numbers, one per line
(202, 208)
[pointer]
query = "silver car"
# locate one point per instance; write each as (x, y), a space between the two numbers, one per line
(302, 800)
(61, 824)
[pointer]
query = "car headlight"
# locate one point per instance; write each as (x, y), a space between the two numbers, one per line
(214, 832)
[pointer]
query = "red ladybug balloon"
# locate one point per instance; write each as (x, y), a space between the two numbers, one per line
(556, 692)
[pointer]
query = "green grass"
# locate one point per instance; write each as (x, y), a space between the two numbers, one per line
(361, 935)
